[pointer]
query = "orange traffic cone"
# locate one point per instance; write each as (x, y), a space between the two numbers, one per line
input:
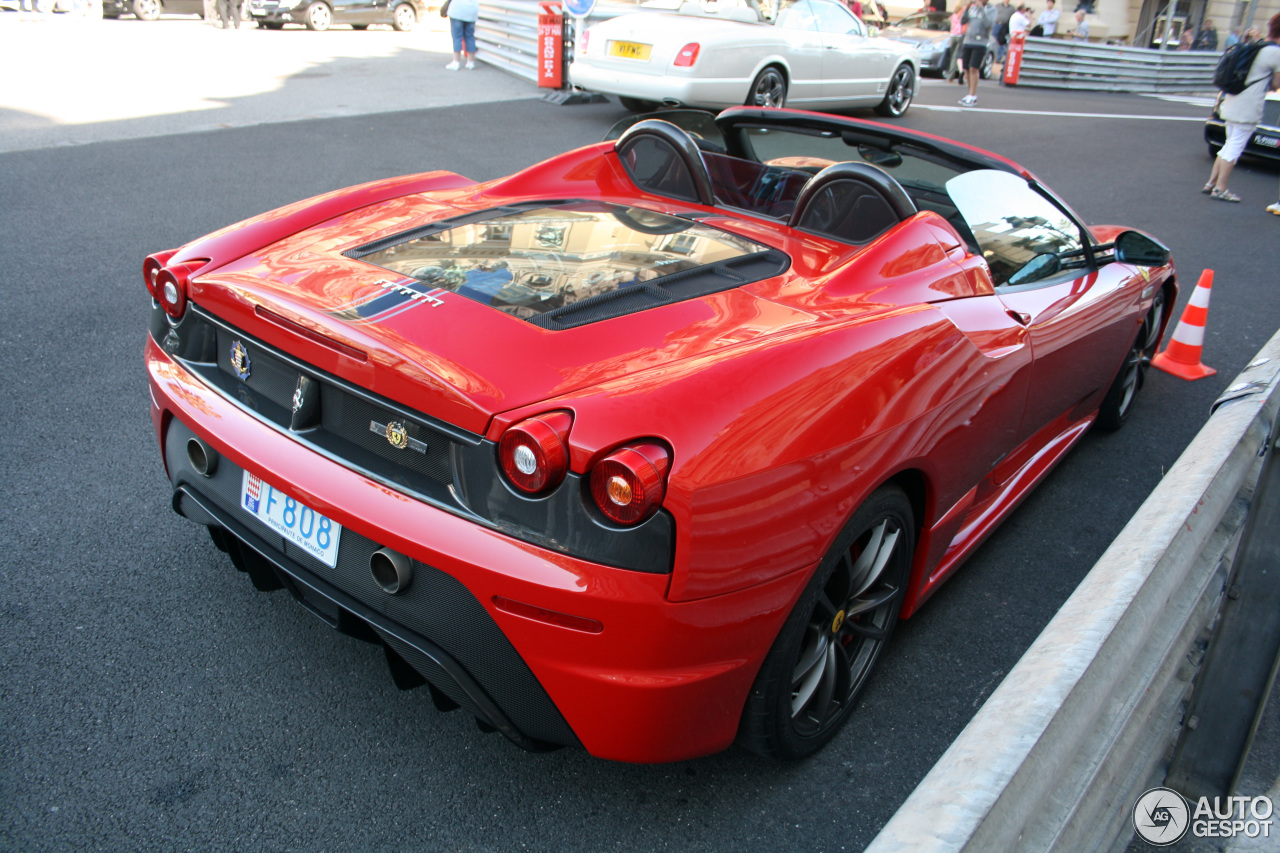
(1182, 356)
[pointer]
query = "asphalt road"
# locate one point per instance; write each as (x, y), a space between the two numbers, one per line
(150, 699)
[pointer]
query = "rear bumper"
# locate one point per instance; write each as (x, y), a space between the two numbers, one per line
(690, 91)
(662, 681)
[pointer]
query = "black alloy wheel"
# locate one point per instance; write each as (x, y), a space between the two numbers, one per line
(830, 643)
(769, 89)
(897, 98)
(1118, 404)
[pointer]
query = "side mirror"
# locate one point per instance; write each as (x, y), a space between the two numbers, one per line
(1135, 248)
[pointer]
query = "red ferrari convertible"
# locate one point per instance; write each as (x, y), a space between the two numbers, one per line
(648, 447)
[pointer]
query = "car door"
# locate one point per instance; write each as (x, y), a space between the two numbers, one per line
(854, 67)
(1081, 317)
(359, 12)
(797, 25)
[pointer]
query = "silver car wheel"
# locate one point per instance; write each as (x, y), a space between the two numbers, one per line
(768, 90)
(405, 18)
(902, 88)
(319, 17)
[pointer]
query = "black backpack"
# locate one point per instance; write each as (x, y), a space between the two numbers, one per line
(1232, 73)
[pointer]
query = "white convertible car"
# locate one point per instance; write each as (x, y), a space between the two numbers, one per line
(814, 54)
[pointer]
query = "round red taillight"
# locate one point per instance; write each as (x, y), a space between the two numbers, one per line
(151, 270)
(534, 454)
(171, 288)
(628, 485)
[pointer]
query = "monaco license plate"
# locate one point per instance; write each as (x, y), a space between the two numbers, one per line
(295, 521)
(629, 50)
(1266, 141)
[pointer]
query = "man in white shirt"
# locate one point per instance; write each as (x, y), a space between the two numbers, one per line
(1048, 19)
(1020, 22)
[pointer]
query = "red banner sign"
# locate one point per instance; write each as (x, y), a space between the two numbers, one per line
(550, 45)
(1013, 59)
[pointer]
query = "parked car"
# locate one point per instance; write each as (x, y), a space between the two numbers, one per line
(1265, 141)
(645, 448)
(149, 10)
(321, 14)
(814, 53)
(930, 33)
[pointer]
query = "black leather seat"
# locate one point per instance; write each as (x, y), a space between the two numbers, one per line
(852, 202)
(664, 160)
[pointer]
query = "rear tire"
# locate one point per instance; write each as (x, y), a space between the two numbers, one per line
(404, 18)
(769, 89)
(897, 98)
(146, 10)
(319, 17)
(829, 644)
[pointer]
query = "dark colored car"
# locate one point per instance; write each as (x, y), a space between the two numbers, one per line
(149, 10)
(645, 448)
(1265, 141)
(321, 14)
(930, 33)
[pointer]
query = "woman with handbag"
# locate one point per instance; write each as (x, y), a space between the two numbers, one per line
(462, 16)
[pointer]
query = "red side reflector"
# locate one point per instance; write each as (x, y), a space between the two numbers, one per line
(687, 55)
(551, 617)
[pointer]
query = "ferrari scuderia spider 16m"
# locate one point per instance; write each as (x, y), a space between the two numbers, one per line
(648, 447)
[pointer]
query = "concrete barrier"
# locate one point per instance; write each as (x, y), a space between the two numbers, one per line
(1085, 722)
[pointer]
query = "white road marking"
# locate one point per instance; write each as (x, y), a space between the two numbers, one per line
(959, 109)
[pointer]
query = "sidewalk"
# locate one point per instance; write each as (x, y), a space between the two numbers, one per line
(68, 81)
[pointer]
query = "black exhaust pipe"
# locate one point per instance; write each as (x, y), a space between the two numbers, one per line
(392, 571)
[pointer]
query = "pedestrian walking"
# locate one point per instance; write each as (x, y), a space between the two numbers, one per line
(462, 26)
(980, 21)
(230, 13)
(1242, 112)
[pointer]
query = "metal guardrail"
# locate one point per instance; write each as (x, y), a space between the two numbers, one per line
(1059, 64)
(1082, 725)
(507, 33)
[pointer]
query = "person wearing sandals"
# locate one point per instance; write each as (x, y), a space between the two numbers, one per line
(1242, 112)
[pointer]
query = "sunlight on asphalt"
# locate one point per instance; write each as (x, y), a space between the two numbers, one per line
(72, 71)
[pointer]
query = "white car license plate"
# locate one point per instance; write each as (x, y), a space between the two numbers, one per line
(295, 521)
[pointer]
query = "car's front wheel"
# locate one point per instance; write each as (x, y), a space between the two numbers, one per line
(769, 89)
(404, 18)
(1118, 404)
(897, 98)
(829, 644)
(146, 10)
(319, 17)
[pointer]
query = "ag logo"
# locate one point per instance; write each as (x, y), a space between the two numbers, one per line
(1161, 817)
(240, 360)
